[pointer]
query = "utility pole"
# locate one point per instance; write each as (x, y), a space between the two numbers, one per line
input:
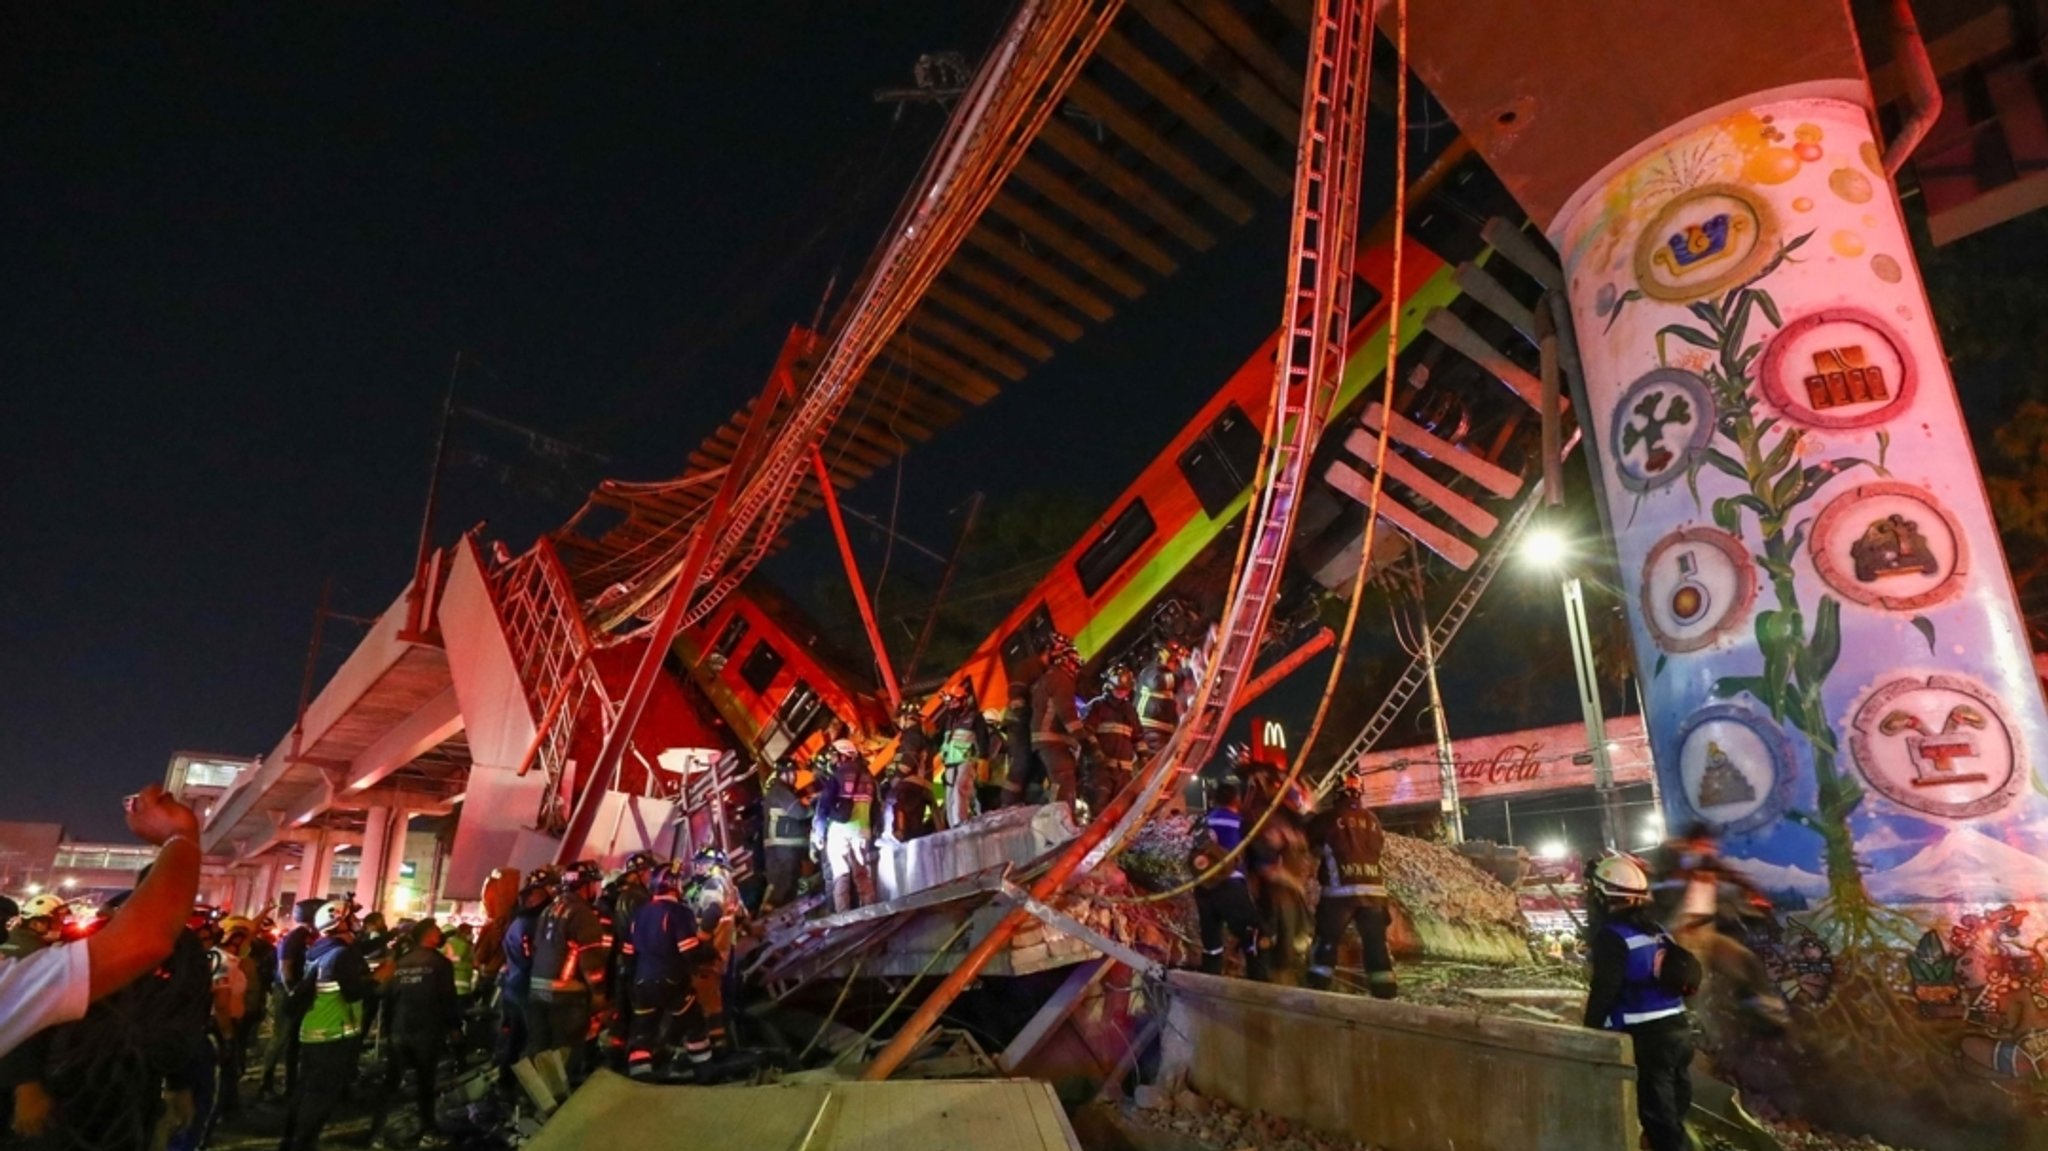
(1448, 806)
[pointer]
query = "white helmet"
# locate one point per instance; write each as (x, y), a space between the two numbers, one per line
(334, 915)
(1621, 879)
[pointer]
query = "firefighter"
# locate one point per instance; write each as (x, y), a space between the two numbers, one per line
(1159, 687)
(515, 976)
(908, 805)
(570, 953)
(1223, 900)
(669, 949)
(913, 741)
(337, 983)
(1017, 744)
(627, 896)
(715, 902)
(1702, 899)
(784, 836)
(1057, 734)
(842, 826)
(963, 752)
(1113, 719)
(1348, 840)
(1634, 969)
(425, 1008)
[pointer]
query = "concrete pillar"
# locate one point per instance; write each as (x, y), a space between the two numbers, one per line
(371, 864)
(1838, 680)
(394, 854)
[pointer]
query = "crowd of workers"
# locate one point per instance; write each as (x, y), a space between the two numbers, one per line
(635, 971)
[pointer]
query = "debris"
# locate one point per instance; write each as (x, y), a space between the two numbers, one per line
(1165, 930)
(1218, 1125)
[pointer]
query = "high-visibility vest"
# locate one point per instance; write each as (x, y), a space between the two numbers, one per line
(463, 956)
(333, 1016)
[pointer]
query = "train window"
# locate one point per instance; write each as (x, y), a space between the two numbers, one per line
(1022, 646)
(729, 639)
(1364, 298)
(1219, 465)
(801, 713)
(1117, 544)
(763, 663)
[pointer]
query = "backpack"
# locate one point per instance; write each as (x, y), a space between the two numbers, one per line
(1678, 970)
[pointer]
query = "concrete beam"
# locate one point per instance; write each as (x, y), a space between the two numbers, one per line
(437, 720)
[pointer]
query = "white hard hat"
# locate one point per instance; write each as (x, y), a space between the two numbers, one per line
(1620, 877)
(333, 915)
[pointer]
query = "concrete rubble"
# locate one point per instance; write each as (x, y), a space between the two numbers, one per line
(1212, 1123)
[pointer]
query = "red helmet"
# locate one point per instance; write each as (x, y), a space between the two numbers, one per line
(1122, 681)
(1059, 649)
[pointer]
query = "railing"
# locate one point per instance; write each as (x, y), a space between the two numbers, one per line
(551, 647)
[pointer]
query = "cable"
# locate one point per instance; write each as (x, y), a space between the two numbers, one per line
(1372, 511)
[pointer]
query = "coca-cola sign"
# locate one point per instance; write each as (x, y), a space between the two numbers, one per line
(1512, 763)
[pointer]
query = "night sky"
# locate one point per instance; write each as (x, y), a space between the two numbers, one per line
(244, 252)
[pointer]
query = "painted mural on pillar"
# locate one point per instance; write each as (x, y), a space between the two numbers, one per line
(1838, 677)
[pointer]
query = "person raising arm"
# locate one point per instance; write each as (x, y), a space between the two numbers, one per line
(55, 985)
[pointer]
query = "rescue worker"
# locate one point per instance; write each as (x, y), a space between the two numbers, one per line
(1700, 898)
(233, 1022)
(784, 836)
(460, 947)
(425, 1008)
(337, 983)
(1113, 719)
(907, 808)
(1159, 686)
(963, 753)
(842, 826)
(995, 768)
(1017, 744)
(41, 924)
(627, 895)
(516, 973)
(1057, 735)
(715, 903)
(1223, 900)
(913, 741)
(668, 947)
(1629, 992)
(284, 1023)
(1348, 841)
(567, 990)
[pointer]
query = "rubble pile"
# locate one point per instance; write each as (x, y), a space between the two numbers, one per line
(1216, 1124)
(1156, 857)
(1556, 991)
(1449, 909)
(1807, 1139)
(1165, 930)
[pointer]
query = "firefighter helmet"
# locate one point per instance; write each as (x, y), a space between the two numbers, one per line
(642, 861)
(541, 881)
(581, 873)
(954, 695)
(334, 917)
(1122, 681)
(668, 877)
(1059, 649)
(237, 924)
(710, 861)
(909, 709)
(1620, 879)
(785, 768)
(1173, 652)
(844, 749)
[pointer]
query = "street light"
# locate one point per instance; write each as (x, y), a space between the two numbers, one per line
(1549, 550)
(69, 881)
(34, 889)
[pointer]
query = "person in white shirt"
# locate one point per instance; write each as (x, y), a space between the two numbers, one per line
(56, 984)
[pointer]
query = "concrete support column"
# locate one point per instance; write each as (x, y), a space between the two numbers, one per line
(394, 854)
(1837, 676)
(318, 864)
(370, 865)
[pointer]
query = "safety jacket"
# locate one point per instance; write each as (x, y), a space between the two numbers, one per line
(1114, 720)
(665, 937)
(569, 949)
(341, 979)
(1351, 842)
(1221, 830)
(963, 736)
(1642, 1000)
(462, 954)
(1053, 719)
(788, 824)
(1159, 698)
(847, 797)
(909, 807)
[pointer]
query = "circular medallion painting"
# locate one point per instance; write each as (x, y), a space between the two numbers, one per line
(1889, 545)
(1662, 422)
(1702, 242)
(1839, 368)
(1735, 768)
(1697, 586)
(1939, 745)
